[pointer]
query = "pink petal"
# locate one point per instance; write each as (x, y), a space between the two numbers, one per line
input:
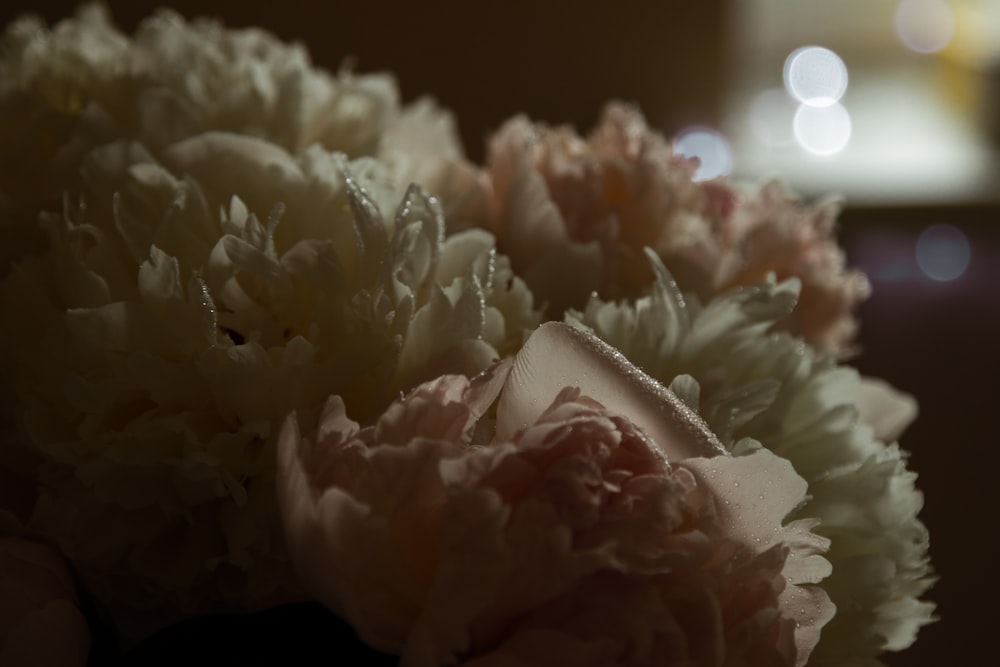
(533, 222)
(756, 492)
(558, 356)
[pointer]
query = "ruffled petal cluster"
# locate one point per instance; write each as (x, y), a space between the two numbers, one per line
(66, 90)
(835, 428)
(201, 233)
(575, 539)
(194, 287)
(575, 214)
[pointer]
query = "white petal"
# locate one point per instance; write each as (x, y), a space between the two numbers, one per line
(887, 410)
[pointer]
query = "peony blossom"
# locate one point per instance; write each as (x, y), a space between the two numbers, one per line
(512, 519)
(201, 234)
(575, 214)
(67, 90)
(199, 279)
(835, 428)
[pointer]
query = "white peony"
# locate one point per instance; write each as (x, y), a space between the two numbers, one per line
(199, 279)
(69, 89)
(756, 388)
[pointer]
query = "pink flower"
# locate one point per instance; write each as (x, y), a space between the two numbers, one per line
(575, 214)
(776, 235)
(561, 508)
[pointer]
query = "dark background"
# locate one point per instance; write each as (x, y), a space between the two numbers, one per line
(560, 62)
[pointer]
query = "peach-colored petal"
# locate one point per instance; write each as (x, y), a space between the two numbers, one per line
(776, 234)
(571, 210)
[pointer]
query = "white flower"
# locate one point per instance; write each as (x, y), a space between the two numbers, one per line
(68, 90)
(753, 387)
(168, 328)
(200, 233)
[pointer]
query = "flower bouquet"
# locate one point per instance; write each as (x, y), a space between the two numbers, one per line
(271, 337)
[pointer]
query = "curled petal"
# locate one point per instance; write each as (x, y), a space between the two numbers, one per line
(558, 355)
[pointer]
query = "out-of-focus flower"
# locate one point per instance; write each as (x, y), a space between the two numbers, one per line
(575, 214)
(594, 522)
(832, 426)
(40, 618)
(777, 236)
(205, 271)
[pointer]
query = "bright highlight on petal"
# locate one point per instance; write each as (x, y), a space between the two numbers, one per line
(711, 149)
(822, 130)
(925, 26)
(815, 76)
(943, 253)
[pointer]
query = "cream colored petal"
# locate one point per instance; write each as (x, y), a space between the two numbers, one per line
(558, 355)
(886, 409)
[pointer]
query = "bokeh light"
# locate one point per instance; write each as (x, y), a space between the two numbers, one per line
(710, 147)
(925, 26)
(943, 252)
(822, 130)
(815, 76)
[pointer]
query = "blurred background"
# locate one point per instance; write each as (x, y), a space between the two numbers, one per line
(896, 107)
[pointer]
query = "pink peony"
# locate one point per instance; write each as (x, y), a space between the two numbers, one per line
(776, 235)
(561, 508)
(574, 215)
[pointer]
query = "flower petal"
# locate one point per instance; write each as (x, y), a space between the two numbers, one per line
(558, 355)
(757, 492)
(887, 410)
